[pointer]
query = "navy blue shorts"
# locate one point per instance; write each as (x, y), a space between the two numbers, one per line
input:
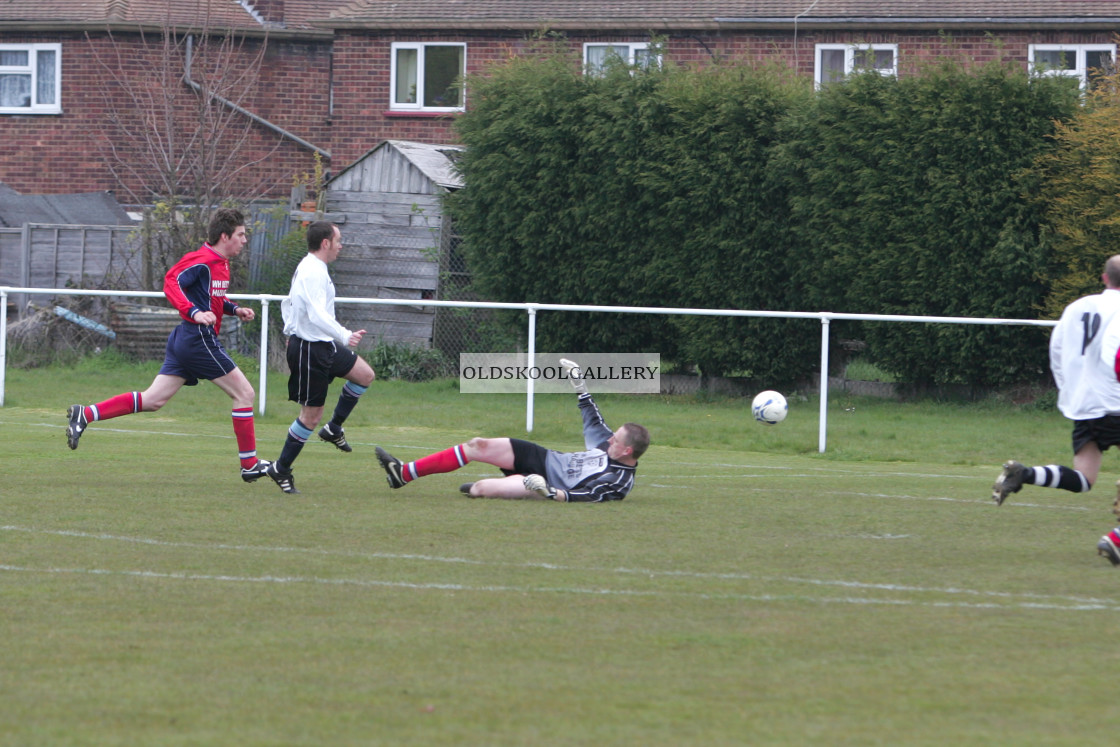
(1105, 431)
(314, 365)
(194, 352)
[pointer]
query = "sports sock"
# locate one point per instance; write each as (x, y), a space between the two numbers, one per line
(298, 433)
(246, 435)
(114, 407)
(447, 460)
(1057, 476)
(346, 401)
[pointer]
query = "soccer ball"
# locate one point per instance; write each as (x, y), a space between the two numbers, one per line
(769, 407)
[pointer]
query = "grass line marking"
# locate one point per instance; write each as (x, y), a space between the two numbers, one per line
(1095, 606)
(1089, 602)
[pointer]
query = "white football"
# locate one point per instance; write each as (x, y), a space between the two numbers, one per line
(769, 407)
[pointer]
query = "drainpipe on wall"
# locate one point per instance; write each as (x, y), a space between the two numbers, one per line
(796, 55)
(242, 110)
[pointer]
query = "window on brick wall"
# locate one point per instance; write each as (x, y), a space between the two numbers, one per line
(1080, 62)
(428, 77)
(836, 61)
(30, 76)
(595, 56)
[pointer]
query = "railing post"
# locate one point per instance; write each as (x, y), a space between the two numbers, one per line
(823, 437)
(262, 393)
(3, 341)
(532, 347)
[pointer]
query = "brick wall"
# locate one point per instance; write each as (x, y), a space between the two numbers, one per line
(67, 152)
(362, 67)
(70, 152)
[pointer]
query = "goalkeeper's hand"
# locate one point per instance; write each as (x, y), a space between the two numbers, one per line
(537, 484)
(575, 375)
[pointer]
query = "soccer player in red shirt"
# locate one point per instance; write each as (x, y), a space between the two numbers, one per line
(196, 285)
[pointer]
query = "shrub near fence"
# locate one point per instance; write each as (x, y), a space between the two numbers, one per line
(734, 186)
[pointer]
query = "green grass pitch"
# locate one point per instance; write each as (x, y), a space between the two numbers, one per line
(749, 591)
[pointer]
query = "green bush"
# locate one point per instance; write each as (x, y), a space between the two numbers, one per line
(731, 186)
(406, 362)
(908, 198)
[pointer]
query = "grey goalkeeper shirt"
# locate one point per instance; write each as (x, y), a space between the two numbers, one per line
(590, 476)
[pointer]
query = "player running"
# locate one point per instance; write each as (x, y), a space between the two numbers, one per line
(196, 286)
(1085, 364)
(604, 472)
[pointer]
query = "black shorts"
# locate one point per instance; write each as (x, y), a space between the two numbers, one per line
(1105, 431)
(314, 365)
(528, 458)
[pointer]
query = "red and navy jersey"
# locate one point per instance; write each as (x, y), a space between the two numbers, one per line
(198, 282)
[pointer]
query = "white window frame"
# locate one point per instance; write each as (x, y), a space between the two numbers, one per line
(631, 57)
(1076, 52)
(418, 105)
(850, 51)
(32, 69)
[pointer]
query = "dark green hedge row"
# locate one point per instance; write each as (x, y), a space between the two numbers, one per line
(735, 187)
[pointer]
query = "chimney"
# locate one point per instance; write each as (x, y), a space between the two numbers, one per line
(270, 12)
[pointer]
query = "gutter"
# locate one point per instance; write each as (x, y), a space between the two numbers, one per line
(948, 23)
(303, 33)
(242, 110)
(694, 23)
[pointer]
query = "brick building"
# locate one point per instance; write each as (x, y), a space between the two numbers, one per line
(341, 76)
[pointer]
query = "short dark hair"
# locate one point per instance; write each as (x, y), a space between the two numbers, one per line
(317, 233)
(224, 221)
(1112, 271)
(637, 438)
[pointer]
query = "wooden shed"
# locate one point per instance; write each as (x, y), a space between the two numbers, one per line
(396, 243)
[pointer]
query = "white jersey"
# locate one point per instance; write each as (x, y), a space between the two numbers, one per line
(308, 310)
(1083, 350)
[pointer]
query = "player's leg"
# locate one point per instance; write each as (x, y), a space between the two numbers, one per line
(241, 392)
(298, 432)
(495, 451)
(162, 389)
(359, 375)
(510, 487)
(1077, 479)
(309, 363)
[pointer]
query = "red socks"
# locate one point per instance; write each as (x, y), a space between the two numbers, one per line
(246, 436)
(114, 407)
(447, 460)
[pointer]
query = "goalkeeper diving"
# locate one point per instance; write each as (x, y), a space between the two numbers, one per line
(603, 472)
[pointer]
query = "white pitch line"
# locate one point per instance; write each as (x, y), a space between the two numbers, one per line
(644, 572)
(806, 471)
(896, 496)
(372, 583)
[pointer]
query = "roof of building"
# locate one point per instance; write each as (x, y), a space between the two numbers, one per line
(683, 14)
(88, 209)
(242, 15)
(435, 162)
(312, 16)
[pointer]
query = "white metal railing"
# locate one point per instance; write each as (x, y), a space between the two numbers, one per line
(531, 309)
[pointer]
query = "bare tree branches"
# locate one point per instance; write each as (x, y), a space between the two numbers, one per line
(175, 134)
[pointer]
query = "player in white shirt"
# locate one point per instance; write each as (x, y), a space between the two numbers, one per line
(318, 352)
(1083, 360)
